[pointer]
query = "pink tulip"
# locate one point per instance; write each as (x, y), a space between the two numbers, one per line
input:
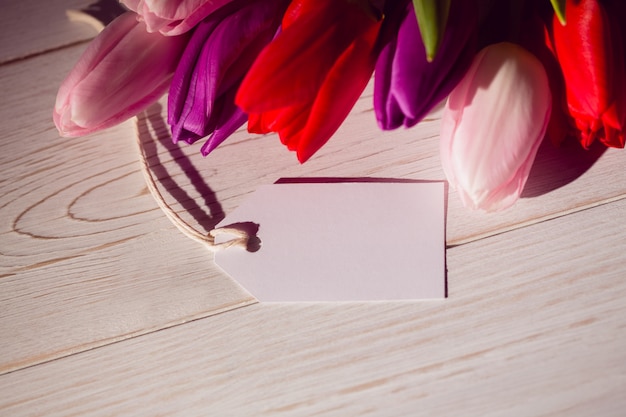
(122, 71)
(492, 125)
(173, 17)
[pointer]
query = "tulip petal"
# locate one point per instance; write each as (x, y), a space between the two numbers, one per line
(406, 86)
(122, 72)
(184, 85)
(221, 50)
(330, 109)
(301, 49)
(488, 159)
(595, 76)
(229, 120)
(306, 81)
(173, 17)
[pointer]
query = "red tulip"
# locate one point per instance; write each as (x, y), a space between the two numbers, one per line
(306, 81)
(589, 51)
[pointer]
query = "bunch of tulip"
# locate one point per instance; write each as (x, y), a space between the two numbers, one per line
(511, 74)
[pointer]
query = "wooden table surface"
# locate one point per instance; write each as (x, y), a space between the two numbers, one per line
(106, 309)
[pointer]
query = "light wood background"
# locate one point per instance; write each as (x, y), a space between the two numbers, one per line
(106, 309)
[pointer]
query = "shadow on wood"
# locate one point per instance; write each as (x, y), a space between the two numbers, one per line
(555, 166)
(152, 129)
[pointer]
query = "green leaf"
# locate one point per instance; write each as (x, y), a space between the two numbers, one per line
(432, 16)
(559, 9)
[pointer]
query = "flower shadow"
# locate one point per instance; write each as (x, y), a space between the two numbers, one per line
(555, 167)
(152, 130)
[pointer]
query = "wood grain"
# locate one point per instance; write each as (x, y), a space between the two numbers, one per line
(31, 27)
(93, 275)
(563, 180)
(86, 256)
(535, 329)
(78, 209)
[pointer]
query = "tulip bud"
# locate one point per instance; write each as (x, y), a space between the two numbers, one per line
(220, 52)
(122, 71)
(492, 125)
(406, 85)
(173, 17)
(305, 82)
(590, 54)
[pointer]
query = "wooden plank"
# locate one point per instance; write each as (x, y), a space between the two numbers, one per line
(76, 205)
(563, 180)
(86, 255)
(32, 27)
(534, 326)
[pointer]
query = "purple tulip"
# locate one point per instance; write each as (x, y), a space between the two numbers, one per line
(406, 85)
(221, 50)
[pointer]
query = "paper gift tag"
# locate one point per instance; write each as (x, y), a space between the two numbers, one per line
(342, 241)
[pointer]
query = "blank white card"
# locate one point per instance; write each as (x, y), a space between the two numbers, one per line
(342, 241)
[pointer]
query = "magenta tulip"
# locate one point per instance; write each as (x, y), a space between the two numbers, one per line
(406, 85)
(219, 54)
(122, 71)
(493, 124)
(173, 17)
